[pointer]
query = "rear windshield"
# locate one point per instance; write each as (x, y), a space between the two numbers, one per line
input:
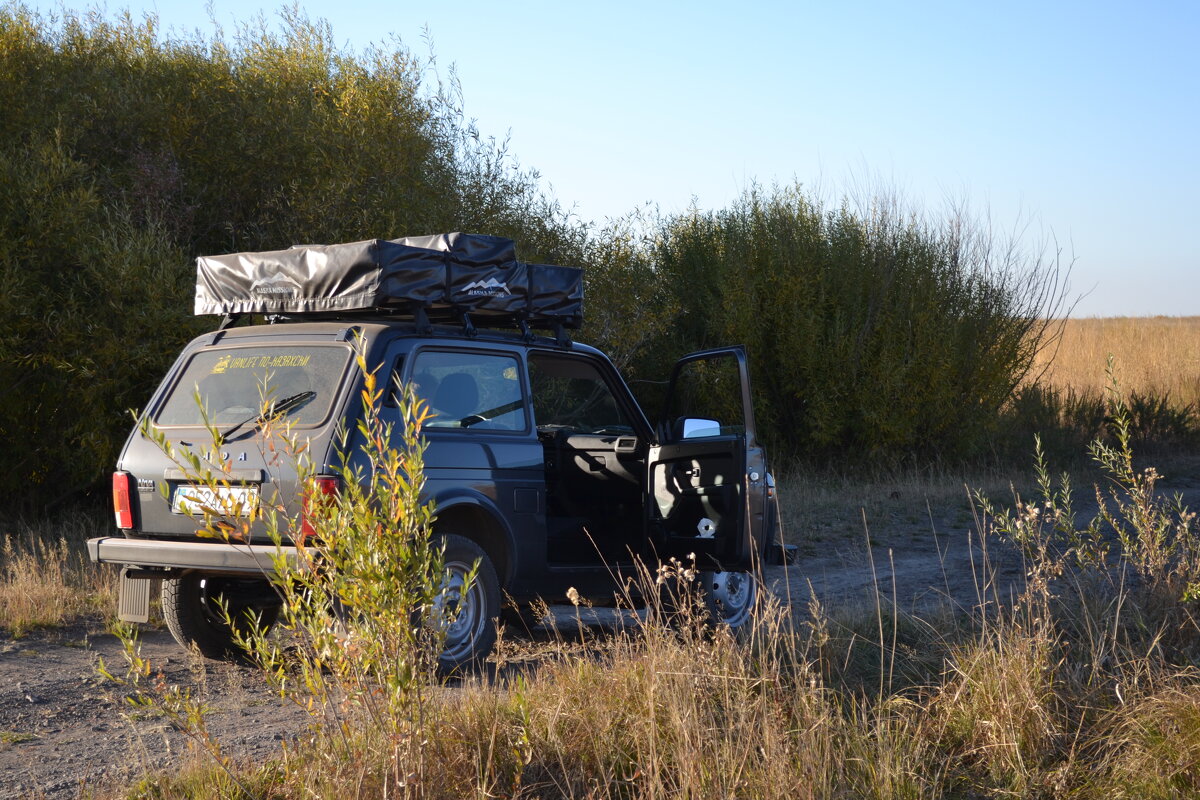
(236, 383)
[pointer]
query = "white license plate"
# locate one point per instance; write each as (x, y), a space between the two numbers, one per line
(229, 501)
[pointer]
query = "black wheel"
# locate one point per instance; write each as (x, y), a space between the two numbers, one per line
(192, 608)
(471, 609)
(730, 598)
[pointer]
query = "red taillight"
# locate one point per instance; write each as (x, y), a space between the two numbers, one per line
(122, 507)
(319, 490)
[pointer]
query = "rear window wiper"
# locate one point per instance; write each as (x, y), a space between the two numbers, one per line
(279, 407)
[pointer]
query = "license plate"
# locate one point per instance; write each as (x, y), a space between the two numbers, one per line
(229, 501)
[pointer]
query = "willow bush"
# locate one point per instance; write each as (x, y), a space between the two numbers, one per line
(872, 332)
(126, 152)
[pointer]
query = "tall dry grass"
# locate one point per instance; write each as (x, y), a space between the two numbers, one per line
(1151, 364)
(1016, 707)
(46, 578)
(1084, 687)
(1153, 355)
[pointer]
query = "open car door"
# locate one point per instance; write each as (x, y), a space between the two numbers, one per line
(707, 473)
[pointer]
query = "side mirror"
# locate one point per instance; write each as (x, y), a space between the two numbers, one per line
(694, 428)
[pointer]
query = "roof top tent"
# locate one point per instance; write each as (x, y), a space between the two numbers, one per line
(459, 277)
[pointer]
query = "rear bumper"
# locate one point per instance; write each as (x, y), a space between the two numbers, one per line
(215, 557)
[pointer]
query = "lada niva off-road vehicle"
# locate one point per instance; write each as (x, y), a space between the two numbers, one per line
(542, 467)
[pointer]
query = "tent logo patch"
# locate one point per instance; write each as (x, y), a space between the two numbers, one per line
(276, 286)
(489, 288)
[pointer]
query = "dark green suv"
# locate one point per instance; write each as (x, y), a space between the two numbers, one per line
(542, 467)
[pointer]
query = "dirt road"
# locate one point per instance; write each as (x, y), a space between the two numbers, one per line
(67, 728)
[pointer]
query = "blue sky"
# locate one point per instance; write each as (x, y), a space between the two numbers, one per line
(1077, 121)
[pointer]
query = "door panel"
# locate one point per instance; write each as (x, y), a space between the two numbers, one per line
(697, 476)
(698, 502)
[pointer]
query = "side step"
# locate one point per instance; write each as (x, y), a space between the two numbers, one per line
(782, 555)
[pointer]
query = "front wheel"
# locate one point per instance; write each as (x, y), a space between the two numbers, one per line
(192, 608)
(730, 598)
(470, 605)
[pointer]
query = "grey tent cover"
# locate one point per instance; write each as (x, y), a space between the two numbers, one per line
(442, 275)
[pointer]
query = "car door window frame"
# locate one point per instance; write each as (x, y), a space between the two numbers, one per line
(736, 352)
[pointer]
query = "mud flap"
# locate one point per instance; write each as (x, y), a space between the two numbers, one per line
(134, 602)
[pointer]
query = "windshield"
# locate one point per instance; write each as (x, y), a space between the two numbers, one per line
(235, 384)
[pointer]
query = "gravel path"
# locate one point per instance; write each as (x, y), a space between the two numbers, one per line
(74, 730)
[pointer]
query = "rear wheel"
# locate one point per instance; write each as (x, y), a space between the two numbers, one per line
(469, 606)
(192, 609)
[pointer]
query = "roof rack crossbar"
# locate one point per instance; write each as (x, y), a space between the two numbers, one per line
(424, 326)
(526, 331)
(468, 326)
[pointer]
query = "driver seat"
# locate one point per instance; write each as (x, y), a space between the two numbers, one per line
(457, 397)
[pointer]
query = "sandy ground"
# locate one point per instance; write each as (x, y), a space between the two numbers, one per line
(64, 730)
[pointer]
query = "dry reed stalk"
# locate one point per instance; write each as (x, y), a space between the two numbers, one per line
(1153, 355)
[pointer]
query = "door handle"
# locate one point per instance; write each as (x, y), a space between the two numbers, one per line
(625, 445)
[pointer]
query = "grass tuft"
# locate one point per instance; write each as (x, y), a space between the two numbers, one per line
(46, 579)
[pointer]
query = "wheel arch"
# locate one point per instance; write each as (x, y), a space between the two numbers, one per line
(477, 518)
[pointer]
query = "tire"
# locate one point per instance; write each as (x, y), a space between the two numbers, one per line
(731, 599)
(471, 635)
(191, 608)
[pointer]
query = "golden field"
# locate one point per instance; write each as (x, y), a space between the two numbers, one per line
(1152, 355)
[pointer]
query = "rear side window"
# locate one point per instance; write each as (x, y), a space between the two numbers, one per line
(480, 391)
(235, 383)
